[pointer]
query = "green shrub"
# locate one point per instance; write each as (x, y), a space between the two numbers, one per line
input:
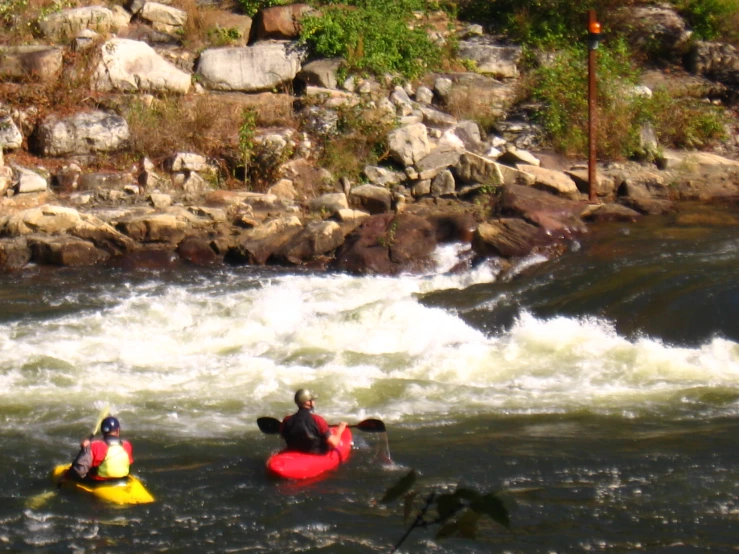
(251, 7)
(539, 23)
(373, 36)
(247, 131)
(684, 122)
(361, 140)
(220, 36)
(562, 87)
(711, 19)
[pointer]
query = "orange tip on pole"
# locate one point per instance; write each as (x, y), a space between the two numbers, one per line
(594, 27)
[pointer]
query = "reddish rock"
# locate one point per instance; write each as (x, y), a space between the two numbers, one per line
(278, 22)
(198, 251)
(388, 244)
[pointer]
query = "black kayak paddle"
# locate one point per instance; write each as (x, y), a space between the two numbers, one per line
(271, 426)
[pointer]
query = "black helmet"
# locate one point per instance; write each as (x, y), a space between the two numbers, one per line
(304, 395)
(109, 425)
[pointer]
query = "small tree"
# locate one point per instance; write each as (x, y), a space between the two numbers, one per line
(247, 132)
(456, 513)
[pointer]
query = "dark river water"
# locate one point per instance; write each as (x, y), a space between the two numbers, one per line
(597, 394)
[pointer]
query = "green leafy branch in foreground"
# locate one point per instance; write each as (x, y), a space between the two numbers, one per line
(457, 513)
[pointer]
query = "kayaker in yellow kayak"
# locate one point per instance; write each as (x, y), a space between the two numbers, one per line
(102, 459)
(305, 431)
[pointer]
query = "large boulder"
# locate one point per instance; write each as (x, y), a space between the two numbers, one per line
(321, 73)
(102, 235)
(10, 136)
(80, 133)
(261, 67)
(6, 177)
(371, 199)
(45, 219)
(21, 62)
(477, 93)
(279, 22)
(134, 66)
(551, 180)
(437, 161)
(28, 181)
(14, 254)
(494, 59)
(67, 24)
(64, 250)
(258, 244)
(388, 244)
(409, 144)
(719, 61)
(658, 29)
(329, 203)
(645, 184)
(474, 168)
(198, 251)
(167, 19)
(315, 240)
(557, 216)
(507, 238)
(159, 228)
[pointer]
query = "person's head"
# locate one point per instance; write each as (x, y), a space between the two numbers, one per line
(304, 398)
(110, 426)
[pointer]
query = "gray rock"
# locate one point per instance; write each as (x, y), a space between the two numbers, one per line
(371, 199)
(131, 65)
(64, 251)
(551, 180)
(435, 162)
(424, 95)
(409, 144)
(316, 239)
(67, 24)
(330, 203)
(443, 184)
(29, 181)
(321, 73)
(251, 68)
(383, 176)
(163, 18)
(10, 136)
(81, 133)
(473, 168)
(14, 254)
(499, 61)
(21, 62)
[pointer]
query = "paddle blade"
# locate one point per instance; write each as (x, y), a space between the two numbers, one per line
(38, 501)
(371, 426)
(105, 412)
(269, 425)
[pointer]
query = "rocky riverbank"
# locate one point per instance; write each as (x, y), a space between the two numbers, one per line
(442, 179)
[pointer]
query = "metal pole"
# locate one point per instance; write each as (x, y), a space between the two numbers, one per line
(593, 38)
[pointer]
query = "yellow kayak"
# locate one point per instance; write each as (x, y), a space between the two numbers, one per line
(128, 490)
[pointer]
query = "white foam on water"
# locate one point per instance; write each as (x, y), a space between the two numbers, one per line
(212, 358)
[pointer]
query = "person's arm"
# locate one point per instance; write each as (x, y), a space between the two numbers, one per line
(83, 462)
(334, 440)
(129, 450)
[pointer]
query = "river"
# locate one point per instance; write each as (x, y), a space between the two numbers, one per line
(597, 394)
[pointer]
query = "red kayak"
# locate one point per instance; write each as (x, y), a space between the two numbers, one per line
(299, 465)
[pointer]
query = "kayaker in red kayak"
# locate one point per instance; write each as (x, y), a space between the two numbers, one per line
(305, 431)
(102, 459)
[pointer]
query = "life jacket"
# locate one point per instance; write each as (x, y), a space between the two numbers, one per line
(115, 464)
(301, 433)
